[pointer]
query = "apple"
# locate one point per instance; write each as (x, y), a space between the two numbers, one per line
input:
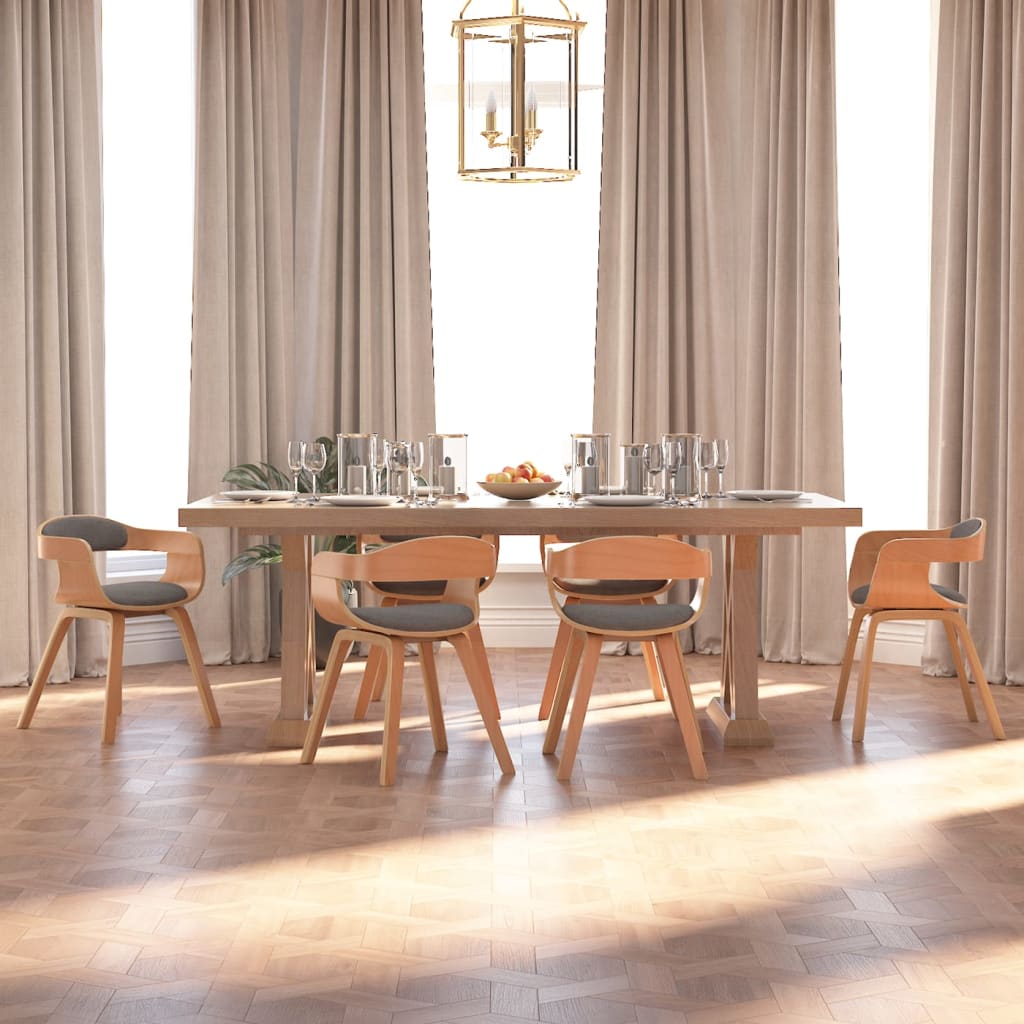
(547, 478)
(502, 478)
(526, 469)
(521, 480)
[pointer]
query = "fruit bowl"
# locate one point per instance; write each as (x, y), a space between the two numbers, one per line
(520, 492)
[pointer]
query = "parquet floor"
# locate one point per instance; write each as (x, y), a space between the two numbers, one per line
(193, 876)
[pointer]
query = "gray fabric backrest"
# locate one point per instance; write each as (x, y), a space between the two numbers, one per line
(99, 533)
(968, 528)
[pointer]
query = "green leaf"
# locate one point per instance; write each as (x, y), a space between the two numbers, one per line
(257, 476)
(251, 558)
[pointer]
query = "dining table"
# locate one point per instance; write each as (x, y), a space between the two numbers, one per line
(742, 524)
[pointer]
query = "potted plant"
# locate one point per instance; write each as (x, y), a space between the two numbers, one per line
(262, 476)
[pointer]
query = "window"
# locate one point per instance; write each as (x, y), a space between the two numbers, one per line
(147, 225)
(514, 280)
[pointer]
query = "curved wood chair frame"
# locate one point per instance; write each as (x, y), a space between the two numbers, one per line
(895, 566)
(80, 592)
(621, 558)
(461, 562)
(574, 596)
(372, 686)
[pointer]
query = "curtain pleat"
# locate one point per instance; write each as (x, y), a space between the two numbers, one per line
(718, 291)
(51, 294)
(977, 320)
(312, 294)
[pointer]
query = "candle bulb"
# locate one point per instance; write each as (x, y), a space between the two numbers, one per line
(356, 479)
(531, 110)
(491, 114)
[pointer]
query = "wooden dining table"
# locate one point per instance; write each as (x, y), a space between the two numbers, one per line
(742, 524)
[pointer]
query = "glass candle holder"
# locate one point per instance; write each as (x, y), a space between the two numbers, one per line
(591, 454)
(633, 461)
(447, 464)
(357, 461)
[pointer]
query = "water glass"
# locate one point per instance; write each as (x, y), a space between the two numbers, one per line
(296, 451)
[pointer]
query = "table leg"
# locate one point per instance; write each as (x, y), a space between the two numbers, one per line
(297, 664)
(735, 713)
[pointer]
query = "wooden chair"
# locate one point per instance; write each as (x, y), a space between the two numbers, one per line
(399, 592)
(70, 541)
(461, 563)
(889, 580)
(590, 623)
(631, 591)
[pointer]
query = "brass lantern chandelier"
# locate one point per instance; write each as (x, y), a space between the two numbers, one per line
(518, 92)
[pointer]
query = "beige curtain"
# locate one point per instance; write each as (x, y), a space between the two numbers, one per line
(312, 294)
(718, 306)
(51, 296)
(977, 319)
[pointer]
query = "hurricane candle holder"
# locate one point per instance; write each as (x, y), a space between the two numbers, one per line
(447, 465)
(591, 455)
(633, 456)
(357, 459)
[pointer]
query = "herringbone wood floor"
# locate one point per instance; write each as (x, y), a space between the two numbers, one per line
(188, 875)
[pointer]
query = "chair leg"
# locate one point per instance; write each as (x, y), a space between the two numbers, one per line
(433, 694)
(375, 666)
(57, 634)
(195, 662)
(476, 639)
(315, 730)
(961, 672)
(115, 657)
(580, 700)
(980, 680)
(471, 666)
(860, 714)
(651, 662)
(566, 680)
(392, 711)
(844, 671)
(380, 675)
(558, 653)
(682, 700)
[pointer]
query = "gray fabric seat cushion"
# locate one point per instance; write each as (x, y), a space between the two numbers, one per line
(438, 617)
(99, 533)
(631, 617)
(860, 594)
(145, 592)
(610, 588)
(968, 528)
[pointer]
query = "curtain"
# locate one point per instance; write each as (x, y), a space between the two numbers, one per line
(718, 287)
(51, 294)
(312, 288)
(977, 320)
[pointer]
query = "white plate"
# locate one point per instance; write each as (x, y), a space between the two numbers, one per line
(364, 500)
(622, 499)
(765, 495)
(255, 495)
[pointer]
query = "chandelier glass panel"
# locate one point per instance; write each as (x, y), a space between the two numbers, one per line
(518, 91)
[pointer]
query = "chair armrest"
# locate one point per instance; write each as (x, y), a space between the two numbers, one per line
(868, 547)
(185, 563)
(78, 580)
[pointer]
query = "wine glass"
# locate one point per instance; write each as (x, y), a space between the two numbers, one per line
(380, 465)
(398, 469)
(654, 459)
(416, 468)
(707, 459)
(314, 459)
(566, 490)
(721, 461)
(672, 458)
(296, 451)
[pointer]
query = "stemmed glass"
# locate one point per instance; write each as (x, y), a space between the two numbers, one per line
(314, 459)
(380, 463)
(655, 462)
(707, 459)
(296, 451)
(398, 469)
(566, 491)
(416, 468)
(672, 458)
(721, 461)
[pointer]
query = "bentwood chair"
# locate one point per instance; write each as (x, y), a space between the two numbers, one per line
(400, 592)
(590, 623)
(461, 563)
(889, 579)
(631, 591)
(70, 541)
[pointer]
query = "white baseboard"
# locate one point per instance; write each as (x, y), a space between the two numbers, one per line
(514, 612)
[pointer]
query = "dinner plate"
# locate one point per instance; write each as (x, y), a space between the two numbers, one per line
(765, 495)
(623, 499)
(365, 500)
(255, 495)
